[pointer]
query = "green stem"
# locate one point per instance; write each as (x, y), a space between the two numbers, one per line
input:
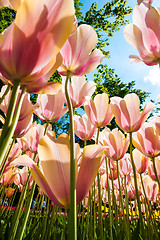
(5, 93)
(18, 212)
(100, 222)
(109, 202)
(73, 216)
(6, 157)
(121, 204)
(26, 213)
(11, 120)
(136, 187)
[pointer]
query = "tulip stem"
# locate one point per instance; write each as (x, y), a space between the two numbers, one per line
(11, 119)
(136, 187)
(73, 213)
(100, 221)
(5, 93)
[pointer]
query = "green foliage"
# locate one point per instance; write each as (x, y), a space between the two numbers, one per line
(107, 20)
(6, 18)
(109, 82)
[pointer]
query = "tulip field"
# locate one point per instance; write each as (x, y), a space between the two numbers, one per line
(106, 184)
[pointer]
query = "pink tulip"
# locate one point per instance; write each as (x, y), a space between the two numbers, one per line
(9, 191)
(31, 139)
(99, 110)
(151, 188)
(151, 169)
(50, 107)
(76, 52)
(144, 33)
(9, 176)
(147, 141)
(83, 127)
(26, 113)
(116, 144)
(128, 116)
(78, 89)
(54, 178)
(140, 160)
(31, 44)
(125, 166)
(155, 121)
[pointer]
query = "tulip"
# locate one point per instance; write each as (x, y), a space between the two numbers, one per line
(151, 188)
(125, 166)
(151, 171)
(140, 160)
(54, 178)
(128, 116)
(147, 141)
(25, 117)
(78, 89)
(50, 107)
(76, 52)
(9, 191)
(31, 44)
(144, 33)
(155, 121)
(116, 144)
(83, 127)
(99, 110)
(32, 138)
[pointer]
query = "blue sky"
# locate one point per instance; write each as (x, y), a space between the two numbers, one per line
(147, 78)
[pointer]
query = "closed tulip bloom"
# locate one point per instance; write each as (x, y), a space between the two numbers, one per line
(9, 191)
(125, 166)
(54, 179)
(151, 188)
(127, 114)
(76, 52)
(117, 144)
(99, 110)
(140, 160)
(147, 141)
(31, 44)
(83, 127)
(32, 138)
(26, 113)
(144, 33)
(50, 107)
(151, 169)
(78, 89)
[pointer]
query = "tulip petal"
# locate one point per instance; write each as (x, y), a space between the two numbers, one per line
(24, 160)
(90, 164)
(54, 156)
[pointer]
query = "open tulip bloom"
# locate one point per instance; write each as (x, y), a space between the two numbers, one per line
(54, 178)
(144, 33)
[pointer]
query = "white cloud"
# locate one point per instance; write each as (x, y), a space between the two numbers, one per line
(153, 76)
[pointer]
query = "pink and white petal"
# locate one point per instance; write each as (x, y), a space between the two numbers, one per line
(129, 35)
(24, 160)
(90, 164)
(89, 64)
(39, 23)
(55, 161)
(86, 41)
